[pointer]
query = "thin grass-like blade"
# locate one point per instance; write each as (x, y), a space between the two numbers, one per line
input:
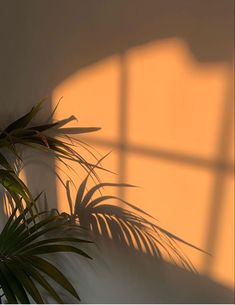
(24, 120)
(4, 163)
(53, 272)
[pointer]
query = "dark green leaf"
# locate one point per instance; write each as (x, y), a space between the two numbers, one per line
(24, 120)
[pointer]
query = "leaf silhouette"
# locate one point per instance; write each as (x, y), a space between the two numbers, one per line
(128, 225)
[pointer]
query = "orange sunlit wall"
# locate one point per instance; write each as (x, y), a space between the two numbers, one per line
(167, 120)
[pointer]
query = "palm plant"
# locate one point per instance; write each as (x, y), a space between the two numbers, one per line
(29, 234)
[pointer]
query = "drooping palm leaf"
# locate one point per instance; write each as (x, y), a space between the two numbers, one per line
(4, 163)
(23, 121)
(16, 188)
(37, 137)
(22, 269)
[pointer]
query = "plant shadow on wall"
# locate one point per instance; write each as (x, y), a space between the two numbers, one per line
(34, 239)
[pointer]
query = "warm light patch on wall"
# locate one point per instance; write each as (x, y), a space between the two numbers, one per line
(176, 108)
(174, 112)
(175, 102)
(92, 96)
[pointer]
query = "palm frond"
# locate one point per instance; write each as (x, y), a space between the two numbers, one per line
(18, 191)
(50, 138)
(38, 137)
(22, 269)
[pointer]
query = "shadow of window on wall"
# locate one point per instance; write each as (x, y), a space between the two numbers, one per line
(168, 120)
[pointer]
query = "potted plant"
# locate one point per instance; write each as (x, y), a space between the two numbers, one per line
(31, 232)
